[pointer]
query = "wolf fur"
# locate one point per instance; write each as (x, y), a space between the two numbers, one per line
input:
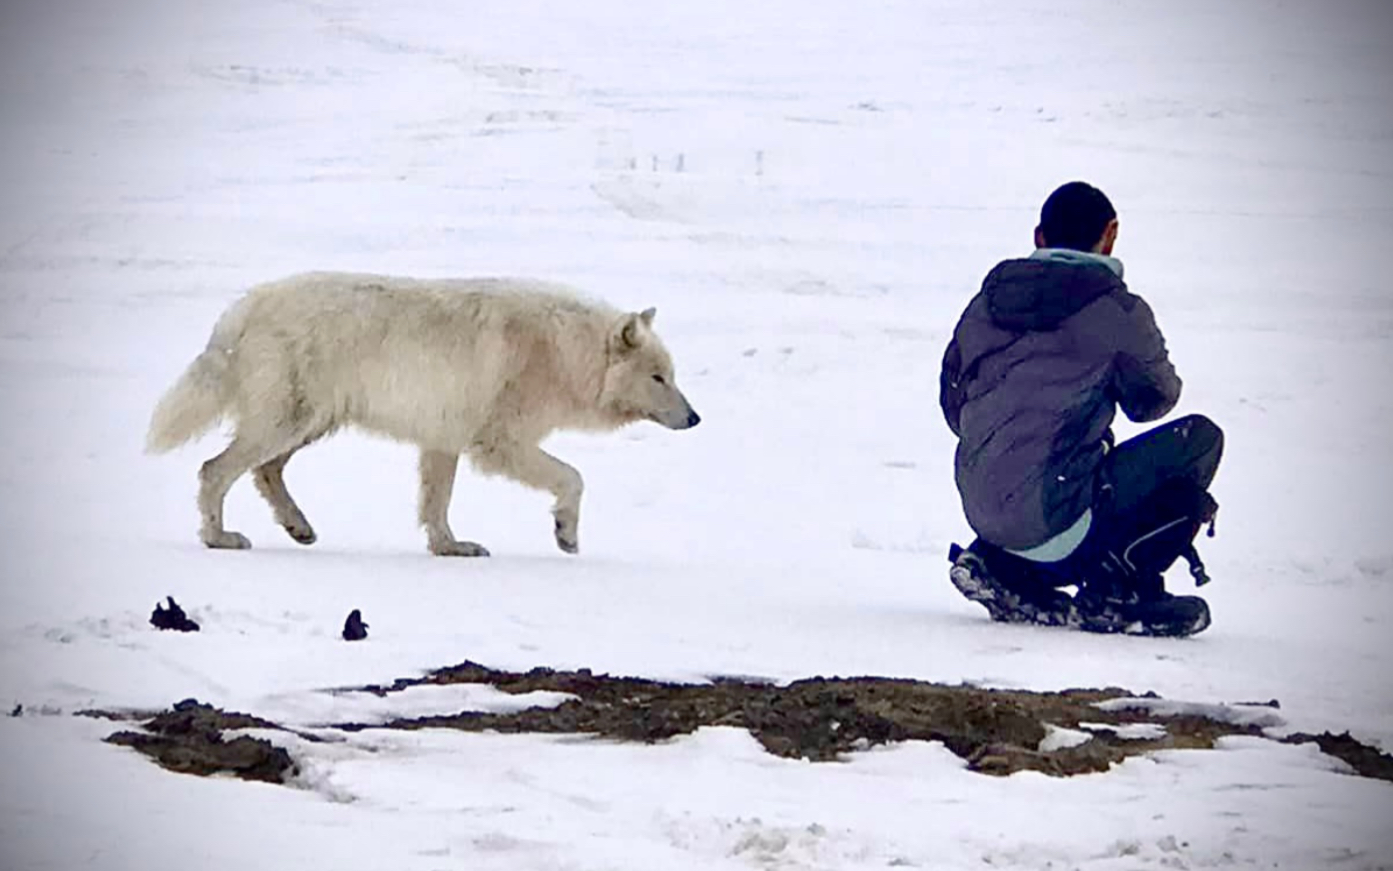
(485, 367)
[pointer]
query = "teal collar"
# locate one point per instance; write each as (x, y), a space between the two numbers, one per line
(1069, 255)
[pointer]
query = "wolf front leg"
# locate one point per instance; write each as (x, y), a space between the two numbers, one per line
(437, 483)
(534, 467)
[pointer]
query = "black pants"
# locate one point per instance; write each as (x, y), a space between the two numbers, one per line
(1187, 449)
(1151, 497)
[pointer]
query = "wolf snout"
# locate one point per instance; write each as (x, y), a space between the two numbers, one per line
(678, 419)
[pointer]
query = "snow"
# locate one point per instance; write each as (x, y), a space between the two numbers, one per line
(1237, 715)
(347, 706)
(808, 193)
(1130, 731)
(1060, 738)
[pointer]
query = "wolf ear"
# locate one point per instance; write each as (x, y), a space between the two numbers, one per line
(648, 314)
(629, 333)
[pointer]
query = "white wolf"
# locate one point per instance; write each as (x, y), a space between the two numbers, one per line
(485, 367)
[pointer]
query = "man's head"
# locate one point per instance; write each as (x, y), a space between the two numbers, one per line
(1077, 216)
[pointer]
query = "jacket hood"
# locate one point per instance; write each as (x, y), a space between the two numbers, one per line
(1041, 292)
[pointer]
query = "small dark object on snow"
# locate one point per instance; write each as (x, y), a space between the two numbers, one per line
(354, 629)
(172, 618)
(18, 711)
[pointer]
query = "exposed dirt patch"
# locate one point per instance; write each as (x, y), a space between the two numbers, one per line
(1365, 760)
(189, 739)
(821, 719)
(996, 731)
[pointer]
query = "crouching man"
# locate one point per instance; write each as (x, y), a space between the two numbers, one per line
(1039, 363)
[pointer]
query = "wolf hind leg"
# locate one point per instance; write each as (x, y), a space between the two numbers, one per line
(250, 448)
(215, 479)
(269, 478)
(534, 467)
(437, 483)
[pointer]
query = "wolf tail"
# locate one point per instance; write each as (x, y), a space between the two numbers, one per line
(201, 396)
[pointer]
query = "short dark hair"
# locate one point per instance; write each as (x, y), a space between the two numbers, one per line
(1075, 216)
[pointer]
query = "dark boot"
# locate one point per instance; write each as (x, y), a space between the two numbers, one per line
(1145, 610)
(996, 584)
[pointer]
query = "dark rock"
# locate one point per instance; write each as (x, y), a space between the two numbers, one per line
(172, 617)
(354, 629)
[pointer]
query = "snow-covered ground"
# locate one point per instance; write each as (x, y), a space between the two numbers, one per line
(809, 192)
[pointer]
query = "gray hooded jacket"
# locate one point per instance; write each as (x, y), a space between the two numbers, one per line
(1038, 364)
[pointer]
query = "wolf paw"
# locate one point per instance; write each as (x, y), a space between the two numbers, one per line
(458, 548)
(227, 540)
(301, 534)
(567, 529)
(566, 538)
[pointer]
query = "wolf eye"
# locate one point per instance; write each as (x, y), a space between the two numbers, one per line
(660, 379)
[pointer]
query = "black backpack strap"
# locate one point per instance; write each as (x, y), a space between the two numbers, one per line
(1134, 550)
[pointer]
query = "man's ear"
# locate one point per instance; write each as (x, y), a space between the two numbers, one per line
(1109, 238)
(1040, 238)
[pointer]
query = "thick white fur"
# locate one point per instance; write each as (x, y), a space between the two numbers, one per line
(483, 367)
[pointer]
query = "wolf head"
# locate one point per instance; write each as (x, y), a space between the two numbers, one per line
(639, 384)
